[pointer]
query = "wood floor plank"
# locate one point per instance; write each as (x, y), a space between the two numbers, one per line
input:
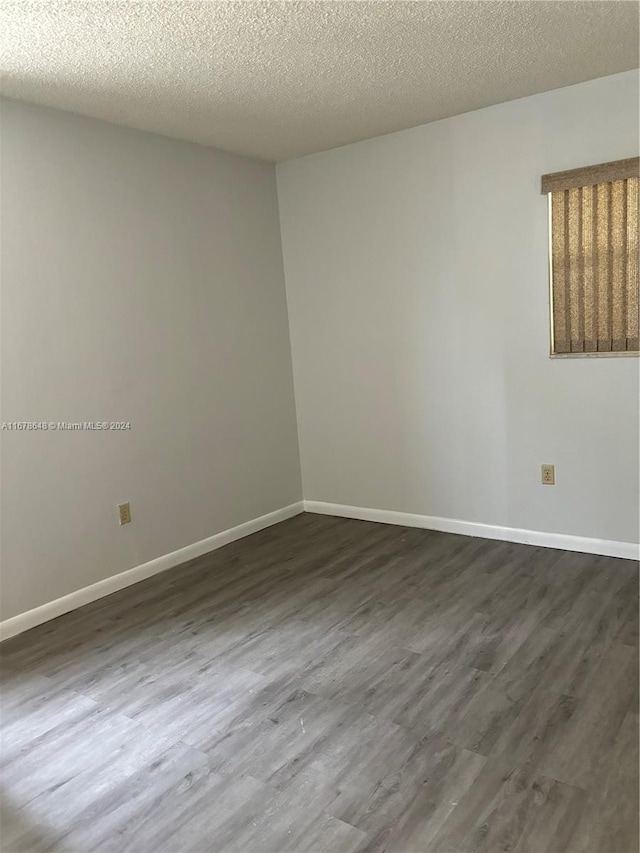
(541, 817)
(444, 781)
(335, 686)
(596, 721)
(609, 820)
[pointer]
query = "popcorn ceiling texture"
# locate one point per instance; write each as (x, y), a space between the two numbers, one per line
(276, 80)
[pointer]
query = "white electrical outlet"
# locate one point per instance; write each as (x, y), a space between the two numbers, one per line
(124, 513)
(548, 475)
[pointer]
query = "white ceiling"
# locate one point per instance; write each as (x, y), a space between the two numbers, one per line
(279, 79)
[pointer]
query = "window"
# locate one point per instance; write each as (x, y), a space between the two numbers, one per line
(593, 233)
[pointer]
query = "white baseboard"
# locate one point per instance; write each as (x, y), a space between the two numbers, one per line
(24, 621)
(607, 547)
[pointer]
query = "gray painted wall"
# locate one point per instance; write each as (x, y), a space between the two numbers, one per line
(141, 281)
(417, 281)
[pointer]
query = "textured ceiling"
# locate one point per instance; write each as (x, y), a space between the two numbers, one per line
(279, 79)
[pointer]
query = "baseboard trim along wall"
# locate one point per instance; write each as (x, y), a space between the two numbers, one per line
(44, 613)
(606, 547)
(24, 621)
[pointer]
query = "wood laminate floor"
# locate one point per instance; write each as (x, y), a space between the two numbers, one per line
(333, 685)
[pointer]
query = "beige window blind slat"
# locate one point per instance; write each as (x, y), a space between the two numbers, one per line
(590, 337)
(573, 261)
(633, 306)
(603, 342)
(594, 267)
(618, 266)
(603, 173)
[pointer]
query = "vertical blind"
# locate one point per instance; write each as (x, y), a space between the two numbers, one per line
(594, 258)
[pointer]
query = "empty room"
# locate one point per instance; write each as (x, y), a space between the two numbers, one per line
(320, 440)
